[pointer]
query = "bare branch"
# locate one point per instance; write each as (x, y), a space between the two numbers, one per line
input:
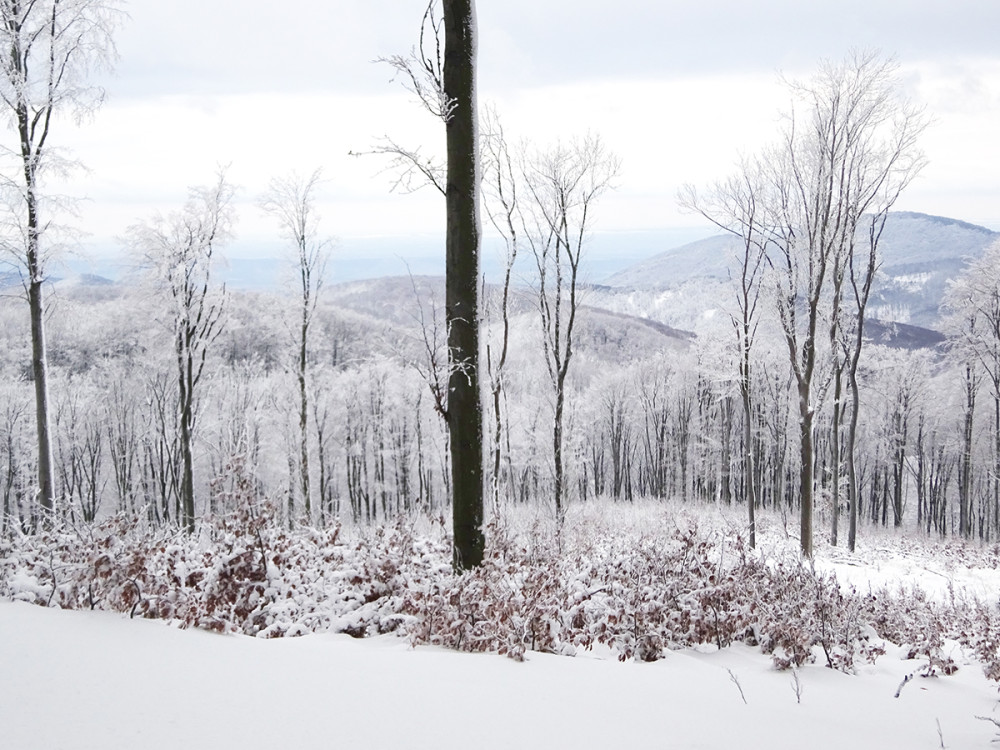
(421, 72)
(412, 169)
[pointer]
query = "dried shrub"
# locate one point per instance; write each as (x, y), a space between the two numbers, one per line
(639, 597)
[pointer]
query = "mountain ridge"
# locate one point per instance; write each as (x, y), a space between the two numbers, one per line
(920, 254)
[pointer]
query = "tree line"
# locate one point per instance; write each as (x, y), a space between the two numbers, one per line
(161, 420)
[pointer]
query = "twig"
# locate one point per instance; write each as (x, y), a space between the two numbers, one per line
(900, 688)
(138, 600)
(739, 687)
(993, 721)
(55, 582)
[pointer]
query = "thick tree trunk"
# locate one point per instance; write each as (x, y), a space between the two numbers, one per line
(749, 483)
(557, 453)
(465, 418)
(304, 416)
(965, 470)
(805, 472)
(853, 493)
(186, 387)
(36, 306)
(996, 455)
(187, 475)
(835, 455)
(498, 426)
(39, 372)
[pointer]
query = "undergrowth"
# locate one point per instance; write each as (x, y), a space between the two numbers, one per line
(638, 595)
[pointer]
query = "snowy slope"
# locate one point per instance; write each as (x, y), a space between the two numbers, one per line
(405, 303)
(91, 680)
(919, 254)
(711, 257)
(97, 681)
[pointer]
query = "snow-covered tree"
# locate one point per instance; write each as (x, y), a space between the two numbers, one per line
(562, 186)
(973, 323)
(50, 47)
(845, 154)
(291, 201)
(735, 206)
(180, 250)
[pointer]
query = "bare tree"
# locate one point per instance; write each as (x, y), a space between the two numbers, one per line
(180, 248)
(445, 84)
(883, 159)
(562, 186)
(502, 207)
(862, 267)
(49, 47)
(291, 200)
(124, 441)
(968, 302)
(848, 151)
(853, 153)
(161, 468)
(984, 275)
(735, 207)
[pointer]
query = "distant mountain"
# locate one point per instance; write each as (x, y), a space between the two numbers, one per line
(902, 336)
(710, 258)
(919, 255)
(396, 300)
(83, 280)
(9, 279)
(618, 338)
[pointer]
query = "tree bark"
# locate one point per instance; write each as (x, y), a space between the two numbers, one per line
(805, 471)
(304, 423)
(835, 457)
(39, 372)
(749, 470)
(965, 471)
(853, 492)
(186, 387)
(465, 418)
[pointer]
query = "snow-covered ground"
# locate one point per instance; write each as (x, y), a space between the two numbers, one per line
(90, 679)
(79, 680)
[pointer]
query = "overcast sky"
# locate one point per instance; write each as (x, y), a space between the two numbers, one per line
(678, 89)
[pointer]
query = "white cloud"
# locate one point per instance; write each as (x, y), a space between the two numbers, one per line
(678, 92)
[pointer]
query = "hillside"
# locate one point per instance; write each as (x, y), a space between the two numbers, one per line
(405, 304)
(708, 258)
(920, 254)
(645, 308)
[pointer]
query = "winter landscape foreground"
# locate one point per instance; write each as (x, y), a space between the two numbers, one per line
(97, 679)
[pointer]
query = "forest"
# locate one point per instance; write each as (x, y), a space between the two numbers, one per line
(652, 411)
(691, 454)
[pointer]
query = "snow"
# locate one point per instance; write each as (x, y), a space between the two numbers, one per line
(99, 680)
(934, 574)
(91, 679)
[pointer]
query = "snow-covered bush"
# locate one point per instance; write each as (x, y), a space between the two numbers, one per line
(636, 595)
